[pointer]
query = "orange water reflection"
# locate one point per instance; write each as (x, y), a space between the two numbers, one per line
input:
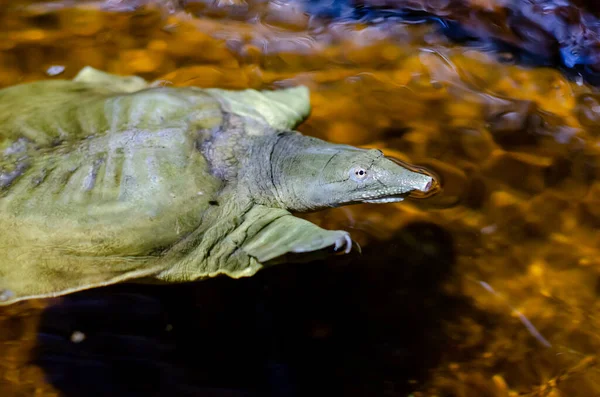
(518, 151)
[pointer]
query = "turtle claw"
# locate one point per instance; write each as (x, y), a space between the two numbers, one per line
(344, 241)
(357, 247)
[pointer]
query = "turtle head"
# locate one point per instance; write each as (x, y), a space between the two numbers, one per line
(367, 176)
(311, 174)
(349, 176)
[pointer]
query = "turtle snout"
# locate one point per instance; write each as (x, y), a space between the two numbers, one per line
(428, 186)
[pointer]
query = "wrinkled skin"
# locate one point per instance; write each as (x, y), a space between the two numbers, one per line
(106, 179)
(309, 174)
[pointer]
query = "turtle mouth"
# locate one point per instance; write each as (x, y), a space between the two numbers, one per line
(381, 197)
(393, 196)
(396, 198)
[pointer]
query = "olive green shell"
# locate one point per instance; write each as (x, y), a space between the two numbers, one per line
(99, 174)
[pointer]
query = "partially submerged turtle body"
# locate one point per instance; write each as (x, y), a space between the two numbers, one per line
(105, 179)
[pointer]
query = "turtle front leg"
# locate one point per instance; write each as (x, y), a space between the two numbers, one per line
(260, 235)
(289, 234)
(268, 234)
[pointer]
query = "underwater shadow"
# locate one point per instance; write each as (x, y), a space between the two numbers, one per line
(356, 325)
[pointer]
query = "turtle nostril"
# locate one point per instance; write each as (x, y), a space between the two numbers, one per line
(431, 188)
(428, 186)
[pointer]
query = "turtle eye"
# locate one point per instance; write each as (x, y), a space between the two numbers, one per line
(358, 173)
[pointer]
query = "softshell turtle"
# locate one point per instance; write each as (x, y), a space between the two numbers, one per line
(108, 178)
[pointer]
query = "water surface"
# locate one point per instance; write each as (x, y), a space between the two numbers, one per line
(488, 289)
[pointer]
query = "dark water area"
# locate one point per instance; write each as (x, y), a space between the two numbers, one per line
(488, 289)
(316, 329)
(560, 34)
